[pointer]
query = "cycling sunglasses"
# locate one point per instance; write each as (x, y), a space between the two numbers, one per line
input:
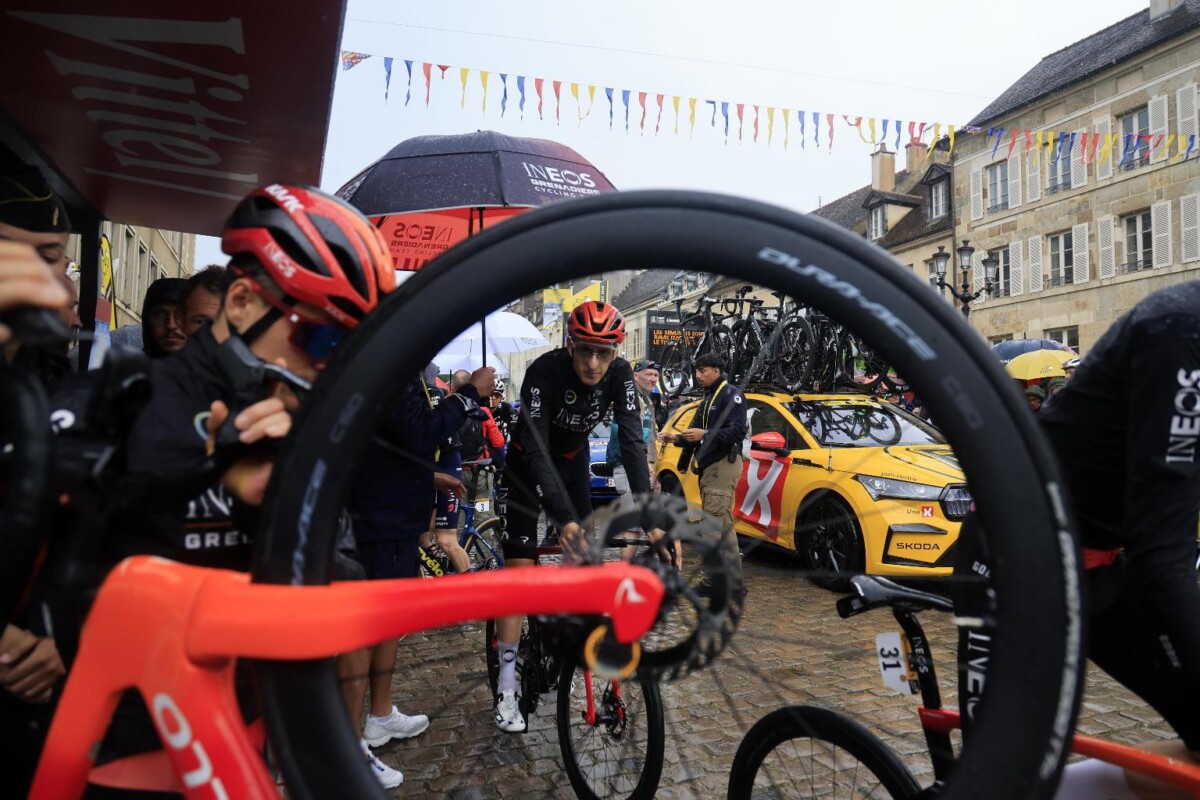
(318, 340)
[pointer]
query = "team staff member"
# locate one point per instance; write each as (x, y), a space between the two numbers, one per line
(715, 438)
(564, 394)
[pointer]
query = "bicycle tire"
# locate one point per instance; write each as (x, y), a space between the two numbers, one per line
(1018, 751)
(818, 725)
(793, 354)
(676, 371)
(650, 771)
(483, 546)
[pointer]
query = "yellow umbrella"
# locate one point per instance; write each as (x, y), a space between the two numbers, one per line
(1039, 364)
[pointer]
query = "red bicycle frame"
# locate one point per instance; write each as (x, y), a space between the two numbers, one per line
(1153, 765)
(174, 632)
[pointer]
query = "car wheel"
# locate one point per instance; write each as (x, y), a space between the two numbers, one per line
(829, 542)
(670, 484)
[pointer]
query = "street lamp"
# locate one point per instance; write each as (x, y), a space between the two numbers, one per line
(941, 259)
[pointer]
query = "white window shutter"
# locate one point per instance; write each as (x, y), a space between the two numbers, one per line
(1034, 259)
(1189, 225)
(1014, 179)
(1185, 107)
(976, 194)
(1160, 221)
(1105, 231)
(1158, 128)
(1104, 166)
(1079, 243)
(1033, 175)
(979, 279)
(1078, 161)
(1016, 267)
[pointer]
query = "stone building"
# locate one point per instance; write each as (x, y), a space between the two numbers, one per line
(1083, 232)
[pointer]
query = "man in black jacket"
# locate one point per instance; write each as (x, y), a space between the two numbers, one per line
(715, 438)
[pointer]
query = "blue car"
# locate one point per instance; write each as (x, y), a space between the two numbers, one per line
(603, 489)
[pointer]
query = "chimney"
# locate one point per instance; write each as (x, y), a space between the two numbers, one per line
(883, 170)
(914, 155)
(1160, 8)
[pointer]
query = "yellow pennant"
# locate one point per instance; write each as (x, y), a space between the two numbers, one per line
(951, 134)
(787, 113)
(462, 74)
(770, 124)
(1106, 146)
(937, 134)
(483, 76)
(578, 105)
(691, 115)
(1165, 147)
(871, 127)
(675, 103)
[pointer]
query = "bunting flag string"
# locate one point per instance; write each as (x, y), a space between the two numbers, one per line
(1087, 145)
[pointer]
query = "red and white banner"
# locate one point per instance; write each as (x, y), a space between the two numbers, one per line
(759, 496)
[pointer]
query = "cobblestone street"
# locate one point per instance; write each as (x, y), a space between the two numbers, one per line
(792, 648)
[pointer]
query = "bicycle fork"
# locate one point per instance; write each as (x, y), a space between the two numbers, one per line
(613, 714)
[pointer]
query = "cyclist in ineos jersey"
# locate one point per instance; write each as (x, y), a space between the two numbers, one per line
(564, 394)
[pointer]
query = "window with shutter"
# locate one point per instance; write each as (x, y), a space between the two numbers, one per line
(1160, 220)
(1003, 284)
(1138, 236)
(1033, 253)
(1014, 179)
(1079, 161)
(1062, 259)
(1079, 243)
(1104, 158)
(1107, 267)
(1132, 148)
(1189, 120)
(1033, 175)
(1016, 267)
(979, 277)
(1158, 127)
(1189, 227)
(976, 194)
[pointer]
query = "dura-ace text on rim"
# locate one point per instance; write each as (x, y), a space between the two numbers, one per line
(1033, 651)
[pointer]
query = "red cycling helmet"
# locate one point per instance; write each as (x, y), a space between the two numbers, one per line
(317, 249)
(596, 323)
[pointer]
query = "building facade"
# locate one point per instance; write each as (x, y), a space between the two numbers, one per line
(1083, 231)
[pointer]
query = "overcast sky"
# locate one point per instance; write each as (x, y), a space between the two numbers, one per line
(935, 61)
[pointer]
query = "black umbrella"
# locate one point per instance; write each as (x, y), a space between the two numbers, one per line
(431, 192)
(1007, 351)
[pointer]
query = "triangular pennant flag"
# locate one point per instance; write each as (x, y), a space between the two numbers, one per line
(408, 91)
(387, 77)
(713, 103)
(1191, 145)
(591, 100)
(1028, 142)
(658, 121)
(625, 100)
(800, 117)
(1012, 142)
(937, 136)
(871, 128)
(578, 105)
(787, 116)
(829, 133)
(1083, 146)
(950, 133)
(350, 59)
(725, 114)
(999, 138)
(443, 68)
(816, 121)
(740, 106)
(642, 103)
(463, 72)
(521, 89)
(770, 124)
(483, 79)
(504, 95)
(537, 89)
(691, 116)
(675, 104)
(913, 138)
(558, 102)
(608, 92)
(756, 124)
(426, 69)
(883, 136)
(897, 145)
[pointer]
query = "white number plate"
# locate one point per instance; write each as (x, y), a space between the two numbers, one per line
(483, 505)
(611, 482)
(893, 651)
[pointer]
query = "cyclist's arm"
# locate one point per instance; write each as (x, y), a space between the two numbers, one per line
(414, 426)
(491, 432)
(627, 418)
(538, 390)
(1162, 493)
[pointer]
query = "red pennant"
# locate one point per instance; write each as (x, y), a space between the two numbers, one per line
(537, 87)
(427, 68)
(1028, 142)
(740, 106)
(658, 122)
(1012, 143)
(756, 124)
(443, 68)
(558, 102)
(642, 102)
(829, 122)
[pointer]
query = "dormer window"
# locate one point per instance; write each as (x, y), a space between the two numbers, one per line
(939, 197)
(878, 222)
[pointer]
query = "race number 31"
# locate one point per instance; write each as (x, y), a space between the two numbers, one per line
(892, 650)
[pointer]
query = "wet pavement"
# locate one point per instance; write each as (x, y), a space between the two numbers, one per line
(792, 648)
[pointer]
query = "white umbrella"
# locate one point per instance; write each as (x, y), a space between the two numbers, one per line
(503, 331)
(448, 361)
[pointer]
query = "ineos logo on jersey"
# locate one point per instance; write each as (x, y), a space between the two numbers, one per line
(1185, 423)
(535, 402)
(61, 419)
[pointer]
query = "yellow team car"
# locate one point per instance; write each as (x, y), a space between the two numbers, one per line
(848, 482)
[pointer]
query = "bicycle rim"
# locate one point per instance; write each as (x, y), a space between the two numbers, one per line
(1016, 751)
(620, 755)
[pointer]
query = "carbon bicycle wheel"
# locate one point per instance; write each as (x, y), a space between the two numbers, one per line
(793, 354)
(809, 751)
(483, 546)
(619, 752)
(676, 375)
(1018, 748)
